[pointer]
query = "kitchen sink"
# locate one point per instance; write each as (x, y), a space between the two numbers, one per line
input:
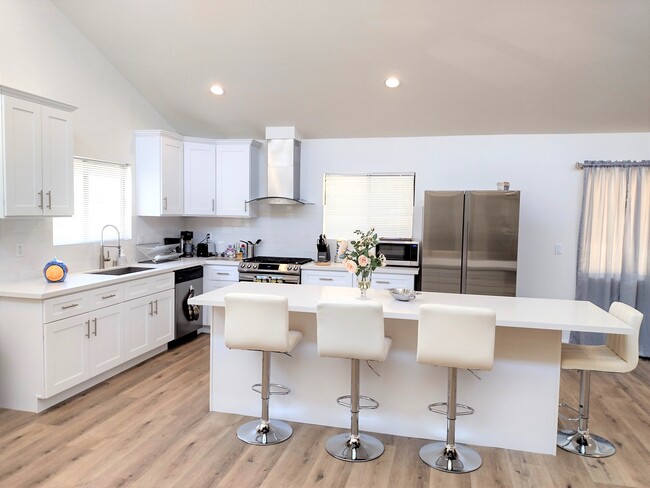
(120, 271)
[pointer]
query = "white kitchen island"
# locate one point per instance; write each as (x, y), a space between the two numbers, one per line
(516, 402)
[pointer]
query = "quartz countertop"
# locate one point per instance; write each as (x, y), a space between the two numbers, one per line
(338, 267)
(39, 288)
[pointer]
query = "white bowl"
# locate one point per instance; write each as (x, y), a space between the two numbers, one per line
(402, 294)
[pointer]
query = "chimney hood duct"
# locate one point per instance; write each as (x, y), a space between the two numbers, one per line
(283, 173)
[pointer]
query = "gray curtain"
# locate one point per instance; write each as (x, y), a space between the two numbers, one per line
(614, 241)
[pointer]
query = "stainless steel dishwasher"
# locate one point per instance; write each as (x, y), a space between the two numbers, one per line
(189, 283)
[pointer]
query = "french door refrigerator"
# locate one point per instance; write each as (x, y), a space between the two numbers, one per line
(470, 242)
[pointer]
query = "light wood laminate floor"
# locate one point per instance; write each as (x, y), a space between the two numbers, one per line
(150, 427)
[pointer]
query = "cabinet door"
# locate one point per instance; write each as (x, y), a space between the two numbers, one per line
(23, 159)
(233, 180)
(66, 353)
(171, 174)
(58, 174)
(199, 164)
(106, 345)
(161, 323)
(136, 316)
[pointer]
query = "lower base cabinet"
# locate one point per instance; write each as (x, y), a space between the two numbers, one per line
(80, 347)
(149, 323)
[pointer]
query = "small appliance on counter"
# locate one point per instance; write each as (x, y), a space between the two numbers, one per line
(187, 246)
(323, 250)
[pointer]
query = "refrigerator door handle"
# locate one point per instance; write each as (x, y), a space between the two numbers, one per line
(465, 246)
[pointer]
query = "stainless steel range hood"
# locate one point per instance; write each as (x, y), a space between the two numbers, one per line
(283, 172)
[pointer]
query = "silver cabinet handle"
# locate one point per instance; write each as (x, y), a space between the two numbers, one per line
(49, 200)
(95, 324)
(156, 310)
(164, 203)
(326, 279)
(65, 307)
(88, 328)
(40, 194)
(222, 274)
(213, 204)
(151, 308)
(108, 296)
(380, 282)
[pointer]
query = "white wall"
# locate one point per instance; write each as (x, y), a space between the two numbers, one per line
(41, 52)
(541, 166)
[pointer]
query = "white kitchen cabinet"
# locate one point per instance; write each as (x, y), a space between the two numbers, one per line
(326, 278)
(200, 190)
(66, 353)
(37, 155)
(82, 346)
(148, 322)
(237, 177)
(390, 280)
(217, 276)
(158, 173)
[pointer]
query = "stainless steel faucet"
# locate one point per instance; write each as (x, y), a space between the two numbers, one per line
(104, 258)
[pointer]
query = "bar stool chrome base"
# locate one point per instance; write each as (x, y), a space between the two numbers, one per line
(364, 448)
(584, 444)
(457, 459)
(258, 433)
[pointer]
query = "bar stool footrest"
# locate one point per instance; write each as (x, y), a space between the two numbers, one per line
(464, 409)
(280, 389)
(569, 407)
(345, 401)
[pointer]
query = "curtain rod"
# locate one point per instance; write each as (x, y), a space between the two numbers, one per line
(611, 164)
(95, 160)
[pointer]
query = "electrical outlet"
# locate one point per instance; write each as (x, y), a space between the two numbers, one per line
(19, 250)
(558, 248)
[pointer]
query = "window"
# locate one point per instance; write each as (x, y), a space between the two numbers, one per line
(361, 201)
(102, 195)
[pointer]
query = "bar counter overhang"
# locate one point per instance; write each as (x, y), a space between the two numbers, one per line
(516, 402)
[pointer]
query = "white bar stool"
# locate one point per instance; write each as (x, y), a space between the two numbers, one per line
(261, 323)
(619, 355)
(455, 337)
(353, 330)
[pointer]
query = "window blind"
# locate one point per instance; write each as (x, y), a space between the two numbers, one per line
(102, 195)
(362, 201)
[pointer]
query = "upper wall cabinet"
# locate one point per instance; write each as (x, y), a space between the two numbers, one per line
(158, 173)
(237, 177)
(200, 178)
(36, 151)
(220, 177)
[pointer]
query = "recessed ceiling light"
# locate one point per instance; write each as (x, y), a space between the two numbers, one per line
(392, 82)
(217, 90)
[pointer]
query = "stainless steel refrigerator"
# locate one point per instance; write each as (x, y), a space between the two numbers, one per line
(470, 242)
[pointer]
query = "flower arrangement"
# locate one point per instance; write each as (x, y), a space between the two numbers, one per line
(360, 258)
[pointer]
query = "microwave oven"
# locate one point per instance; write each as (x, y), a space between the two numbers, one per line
(399, 253)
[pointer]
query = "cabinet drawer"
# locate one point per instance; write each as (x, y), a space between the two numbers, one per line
(105, 296)
(221, 273)
(66, 306)
(386, 280)
(147, 286)
(325, 278)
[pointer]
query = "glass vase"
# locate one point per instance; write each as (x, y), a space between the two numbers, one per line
(364, 278)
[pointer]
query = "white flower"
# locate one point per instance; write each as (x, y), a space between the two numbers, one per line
(350, 265)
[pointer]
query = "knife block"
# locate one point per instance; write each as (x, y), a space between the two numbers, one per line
(324, 256)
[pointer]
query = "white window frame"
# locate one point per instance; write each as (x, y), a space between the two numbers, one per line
(94, 207)
(362, 201)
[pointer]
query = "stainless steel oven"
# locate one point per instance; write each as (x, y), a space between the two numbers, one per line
(269, 269)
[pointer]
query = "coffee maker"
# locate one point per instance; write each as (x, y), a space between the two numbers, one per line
(187, 247)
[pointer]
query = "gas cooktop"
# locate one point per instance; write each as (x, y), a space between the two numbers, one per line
(276, 260)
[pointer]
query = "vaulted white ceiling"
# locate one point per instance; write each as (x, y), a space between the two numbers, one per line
(467, 66)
